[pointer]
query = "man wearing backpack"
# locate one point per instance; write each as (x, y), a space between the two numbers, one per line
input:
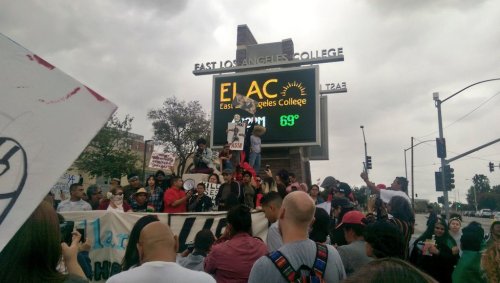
(299, 259)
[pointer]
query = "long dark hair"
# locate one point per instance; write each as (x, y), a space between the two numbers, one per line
(131, 257)
(401, 209)
(147, 181)
(33, 253)
(320, 226)
(446, 239)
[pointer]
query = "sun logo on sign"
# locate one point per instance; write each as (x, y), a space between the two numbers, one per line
(293, 88)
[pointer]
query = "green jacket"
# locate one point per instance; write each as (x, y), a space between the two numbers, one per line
(468, 269)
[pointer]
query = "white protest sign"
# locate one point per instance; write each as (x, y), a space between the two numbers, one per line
(46, 119)
(327, 206)
(61, 188)
(212, 190)
(161, 160)
(235, 136)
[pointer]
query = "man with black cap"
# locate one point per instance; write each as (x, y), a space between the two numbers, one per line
(229, 192)
(133, 185)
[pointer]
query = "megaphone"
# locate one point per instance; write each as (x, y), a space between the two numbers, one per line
(189, 184)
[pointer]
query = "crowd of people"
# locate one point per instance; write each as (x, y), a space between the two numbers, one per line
(312, 235)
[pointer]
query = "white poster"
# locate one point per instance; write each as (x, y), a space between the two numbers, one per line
(109, 233)
(46, 119)
(161, 160)
(235, 136)
(60, 190)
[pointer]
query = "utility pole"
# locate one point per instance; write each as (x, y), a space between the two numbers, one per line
(438, 102)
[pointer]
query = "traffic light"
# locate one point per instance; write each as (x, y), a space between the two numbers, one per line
(441, 199)
(368, 162)
(441, 147)
(492, 167)
(449, 177)
(437, 179)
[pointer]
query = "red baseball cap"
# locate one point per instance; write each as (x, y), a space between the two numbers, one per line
(352, 217)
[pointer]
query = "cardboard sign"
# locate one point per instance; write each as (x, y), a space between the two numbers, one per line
(235, 136)
(46, 119)
(161, 160)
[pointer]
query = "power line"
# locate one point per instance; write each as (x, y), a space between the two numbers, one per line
(464, 116)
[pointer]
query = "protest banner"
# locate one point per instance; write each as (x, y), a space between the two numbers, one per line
(109, 232)
(161, 160)
(41, 130)
(235, 136)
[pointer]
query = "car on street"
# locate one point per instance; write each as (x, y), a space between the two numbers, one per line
(485, 213)
(496, 217)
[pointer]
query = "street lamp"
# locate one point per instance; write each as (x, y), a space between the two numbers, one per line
(412, 167)
(144, 161)
(365, 166)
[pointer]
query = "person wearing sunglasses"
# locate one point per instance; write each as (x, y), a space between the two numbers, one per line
(115, 201)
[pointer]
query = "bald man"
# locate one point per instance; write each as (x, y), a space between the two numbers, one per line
(157, 249)
(295, 217)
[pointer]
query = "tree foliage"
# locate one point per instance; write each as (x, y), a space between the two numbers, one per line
(109, 154)
(177, 125)
(481, 187)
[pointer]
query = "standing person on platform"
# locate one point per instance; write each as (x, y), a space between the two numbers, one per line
(248, 189)
(229, 191)
(175, 199)
(133, 185)
(200, 202)
(202, 160)
(157, 249)
(298, 251)
(255, 147)
(115, 201)
(75, 202)
(94, 193)
(161, 180)
(225, 158)
(155, 193)
(115, 182)
(232, 260)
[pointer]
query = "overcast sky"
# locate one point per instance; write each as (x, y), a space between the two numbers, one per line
(397, 53)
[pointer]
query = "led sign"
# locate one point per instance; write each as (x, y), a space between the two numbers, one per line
(286, 101)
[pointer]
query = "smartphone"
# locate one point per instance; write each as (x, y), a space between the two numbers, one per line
(81, 229)
(268, 167)
(66, 229)
(190, 246)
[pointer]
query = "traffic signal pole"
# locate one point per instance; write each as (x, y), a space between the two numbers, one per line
(443, 160)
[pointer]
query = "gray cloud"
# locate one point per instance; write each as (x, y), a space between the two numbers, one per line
(397, 53)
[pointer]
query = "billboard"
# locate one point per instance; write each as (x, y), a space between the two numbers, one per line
(287, 105)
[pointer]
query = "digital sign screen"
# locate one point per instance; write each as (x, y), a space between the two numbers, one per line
(286, 104)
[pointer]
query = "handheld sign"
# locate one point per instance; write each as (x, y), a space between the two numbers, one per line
(46, 119)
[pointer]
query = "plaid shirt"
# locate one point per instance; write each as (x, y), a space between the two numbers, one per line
(156, 198)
